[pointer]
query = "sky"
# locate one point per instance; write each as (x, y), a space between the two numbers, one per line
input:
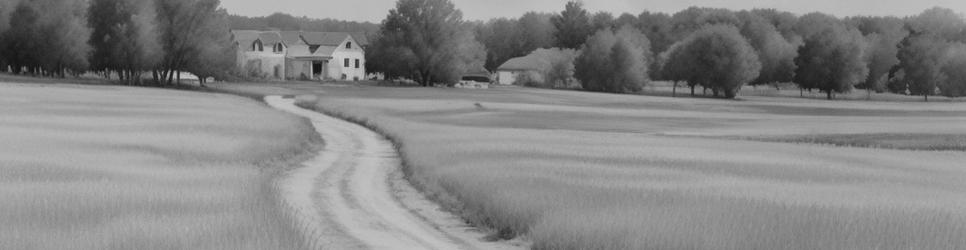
(376, 10)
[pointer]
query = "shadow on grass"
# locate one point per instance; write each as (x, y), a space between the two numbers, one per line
(900, 141)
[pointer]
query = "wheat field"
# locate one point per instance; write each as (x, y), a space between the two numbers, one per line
(103, 167)
(573, 170)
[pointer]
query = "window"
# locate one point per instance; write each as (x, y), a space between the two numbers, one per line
(357, 63)
(348, 45)
(347, 62)
(279, 48)
(257, 46)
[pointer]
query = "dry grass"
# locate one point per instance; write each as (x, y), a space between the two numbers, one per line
(102, 167)
(574, 170)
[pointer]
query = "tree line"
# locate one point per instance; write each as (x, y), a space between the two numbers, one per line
(282, 21)
(709, 48)
(121, 38)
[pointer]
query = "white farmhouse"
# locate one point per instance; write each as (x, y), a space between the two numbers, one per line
(302, 55)
(260, 54)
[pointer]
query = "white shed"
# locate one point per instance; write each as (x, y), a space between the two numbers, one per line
(508, 72)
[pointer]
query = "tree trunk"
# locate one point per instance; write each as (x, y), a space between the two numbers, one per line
(674, 90)
(179, 77)
(925, 97)
(170, 76)
(829, 93)
(692, 90)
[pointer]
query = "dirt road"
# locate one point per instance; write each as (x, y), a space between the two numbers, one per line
(352, 195)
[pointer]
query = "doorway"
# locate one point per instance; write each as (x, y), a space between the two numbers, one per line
(317, 69)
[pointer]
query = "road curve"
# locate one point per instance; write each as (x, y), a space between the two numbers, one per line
(352, 195)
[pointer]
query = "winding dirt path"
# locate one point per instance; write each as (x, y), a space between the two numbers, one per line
(353, 195)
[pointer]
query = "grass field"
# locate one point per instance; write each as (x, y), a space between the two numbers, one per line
(104, 167)
(573, 170)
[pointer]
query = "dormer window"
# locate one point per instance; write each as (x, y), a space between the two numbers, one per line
(279, 48)
(348, 45)
(257, 46)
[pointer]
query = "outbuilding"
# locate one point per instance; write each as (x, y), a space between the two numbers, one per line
(508, 73)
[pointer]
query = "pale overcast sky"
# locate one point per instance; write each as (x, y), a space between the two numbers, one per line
(376, 10)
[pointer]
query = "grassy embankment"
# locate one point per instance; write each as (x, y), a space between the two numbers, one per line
(574, 170)
(107, 167)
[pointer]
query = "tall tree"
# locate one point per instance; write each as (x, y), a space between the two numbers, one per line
(953, 68)
(941, 23)
(883, 35)
(603, 20)
(429, 39)
(716, 57)
(214, 55)
(657, 28)
(832, 59)
(921, 59)
(922, 53)
(503, 38)
(536, 30)
(124, 37)
(777, 55)
(785, 22)
(613, 62)
(573, 26)
(6, 7)
(183, 33)
(47, 37)
(692, 19)
(626, 19)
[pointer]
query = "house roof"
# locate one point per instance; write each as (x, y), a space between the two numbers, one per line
(520, 64)
(270, 37)
(360, 38)
(298, 50)
(290, 37)
(325, 50)
(245, 37)
(479, 72)
(325, 38)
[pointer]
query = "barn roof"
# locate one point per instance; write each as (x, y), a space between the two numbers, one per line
(520, 64)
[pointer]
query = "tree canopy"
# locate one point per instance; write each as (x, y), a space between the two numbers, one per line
(573, 26)
(614, 62)
(47, 37)
(832, 58)
(124, 37)
(715, 57)
(426, 40)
